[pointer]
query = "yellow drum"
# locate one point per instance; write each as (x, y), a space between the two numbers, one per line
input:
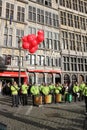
(48, 99)
(58, 97)
(37, 100)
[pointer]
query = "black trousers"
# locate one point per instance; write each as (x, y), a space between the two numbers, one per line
(86, 103)
(24, 99)
(14, 100)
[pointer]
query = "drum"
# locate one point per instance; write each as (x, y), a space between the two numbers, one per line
(37, 100)
(48, 99)
(69, 97)
(58, 98)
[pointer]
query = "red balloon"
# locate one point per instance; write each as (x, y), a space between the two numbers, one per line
(33, 49)
(31, 38)
(24, 39)
(40, 38)
(40, 32)
(34, 43)
(25, 45)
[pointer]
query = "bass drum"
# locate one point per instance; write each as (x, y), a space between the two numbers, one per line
(37, 100)
(58, 98)
(48, 99)
(69, 97)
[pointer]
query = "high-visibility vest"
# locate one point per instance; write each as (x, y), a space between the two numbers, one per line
(24, 89)
(14, 90)
(76, 89)
(85, 91)
(45, 90)
(35, 90)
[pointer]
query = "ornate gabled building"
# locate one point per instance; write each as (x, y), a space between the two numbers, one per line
(73, 33)
(62, 57)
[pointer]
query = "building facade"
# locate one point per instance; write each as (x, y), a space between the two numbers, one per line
(73, 31)
(61, 57)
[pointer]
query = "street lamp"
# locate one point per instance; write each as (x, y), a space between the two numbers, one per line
(19, 62)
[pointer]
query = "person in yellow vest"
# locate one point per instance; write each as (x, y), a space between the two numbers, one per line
(76, 91)
(66, 89)
(24, 91)
(85, 95)
(52, 91)
(81, 86)
(35, 90)
(14, 93)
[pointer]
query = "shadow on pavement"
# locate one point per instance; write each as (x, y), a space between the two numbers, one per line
(74, 110)
(27, 121)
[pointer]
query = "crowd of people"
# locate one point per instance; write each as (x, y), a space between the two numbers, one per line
(78, 92)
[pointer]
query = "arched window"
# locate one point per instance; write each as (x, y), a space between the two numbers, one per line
(66, 78)
(74, 78)
(49, 78)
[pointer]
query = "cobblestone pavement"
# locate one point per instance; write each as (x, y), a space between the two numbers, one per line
(60, 116)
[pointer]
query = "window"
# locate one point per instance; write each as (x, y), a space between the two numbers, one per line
(85, 7)
(40, 60)
(32, 14)
(63, 18)
(80, 64)
(66, 78)
(73, 63)
(76, 21)
(80, 5)
(66, 65)
(40, 1)
(21, 14)
(48, 40)
(72, 41)
(75, 5)
(48, 3)
(16, 61)
(9, 11)
(47, 61)
(21, 61)
(40, 78)
(56, 41)
(55, 20)
(78, 42)
(45, 2)
(85, 62)
(28, 59)
(70, 19)
(40, 16)
(7, 59)
(46, 17)
(19, 34)
(84, 42)
(56, 62)
(65, 40)
(49, 78)
(33, 59)
(8, 37)
(62, 2)
(0, 8)
(32, 30)
(68, 4)
(82, 23)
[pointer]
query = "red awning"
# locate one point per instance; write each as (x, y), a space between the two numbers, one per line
(12, 74)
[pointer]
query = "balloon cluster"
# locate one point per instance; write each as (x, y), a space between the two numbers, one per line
(32, 41)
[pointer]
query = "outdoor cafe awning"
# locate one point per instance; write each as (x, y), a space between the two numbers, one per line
(12, 74)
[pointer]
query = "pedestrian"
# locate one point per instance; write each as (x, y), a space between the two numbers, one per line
(14, 93)
(76, 91)
(35, 90)
(24, 91)
(85, 95)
